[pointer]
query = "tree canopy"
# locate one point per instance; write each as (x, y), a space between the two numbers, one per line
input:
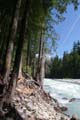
(68, 66)
(26, 26)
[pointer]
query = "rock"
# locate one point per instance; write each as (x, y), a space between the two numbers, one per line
(62, 118)
(78, 99)
(72, 99)
(39, 106)
(63, 108)
(57, 109)
(65, 98)
(74, 117)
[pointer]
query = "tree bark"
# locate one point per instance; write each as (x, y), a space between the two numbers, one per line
(20, 69)
(13, 80)
(11, 39)
(10, 44)
(40, 68)
(2, 47)
(28, 53)
(34, 67)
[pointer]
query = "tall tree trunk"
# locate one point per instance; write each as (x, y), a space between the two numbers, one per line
(13, 80)
(10, 44)
(2, 33)
(2, 17)
(34, 67)
(39, 75)
(42, 65)
(28, 53)
(2, 47)
(20, 69)
(11, 39)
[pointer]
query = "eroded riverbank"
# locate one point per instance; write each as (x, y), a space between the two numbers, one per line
(34, 104)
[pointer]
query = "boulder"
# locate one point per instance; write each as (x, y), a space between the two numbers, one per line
(72, 99)
(63, 108)
(74, 117)
(65, 98)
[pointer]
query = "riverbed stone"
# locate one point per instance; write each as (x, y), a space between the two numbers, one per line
(72, 99)
(64, 108)
(74, 117)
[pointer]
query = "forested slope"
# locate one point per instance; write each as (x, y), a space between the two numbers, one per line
(25, 29)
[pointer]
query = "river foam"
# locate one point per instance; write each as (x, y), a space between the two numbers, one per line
(64, 91)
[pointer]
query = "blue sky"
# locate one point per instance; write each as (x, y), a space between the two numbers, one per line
(69, 30)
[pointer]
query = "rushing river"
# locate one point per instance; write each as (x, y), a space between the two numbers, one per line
(64, 91)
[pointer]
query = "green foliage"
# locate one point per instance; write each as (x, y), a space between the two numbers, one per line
(43, 14)
(68, 66)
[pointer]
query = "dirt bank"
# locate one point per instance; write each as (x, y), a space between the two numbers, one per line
(32, 103)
